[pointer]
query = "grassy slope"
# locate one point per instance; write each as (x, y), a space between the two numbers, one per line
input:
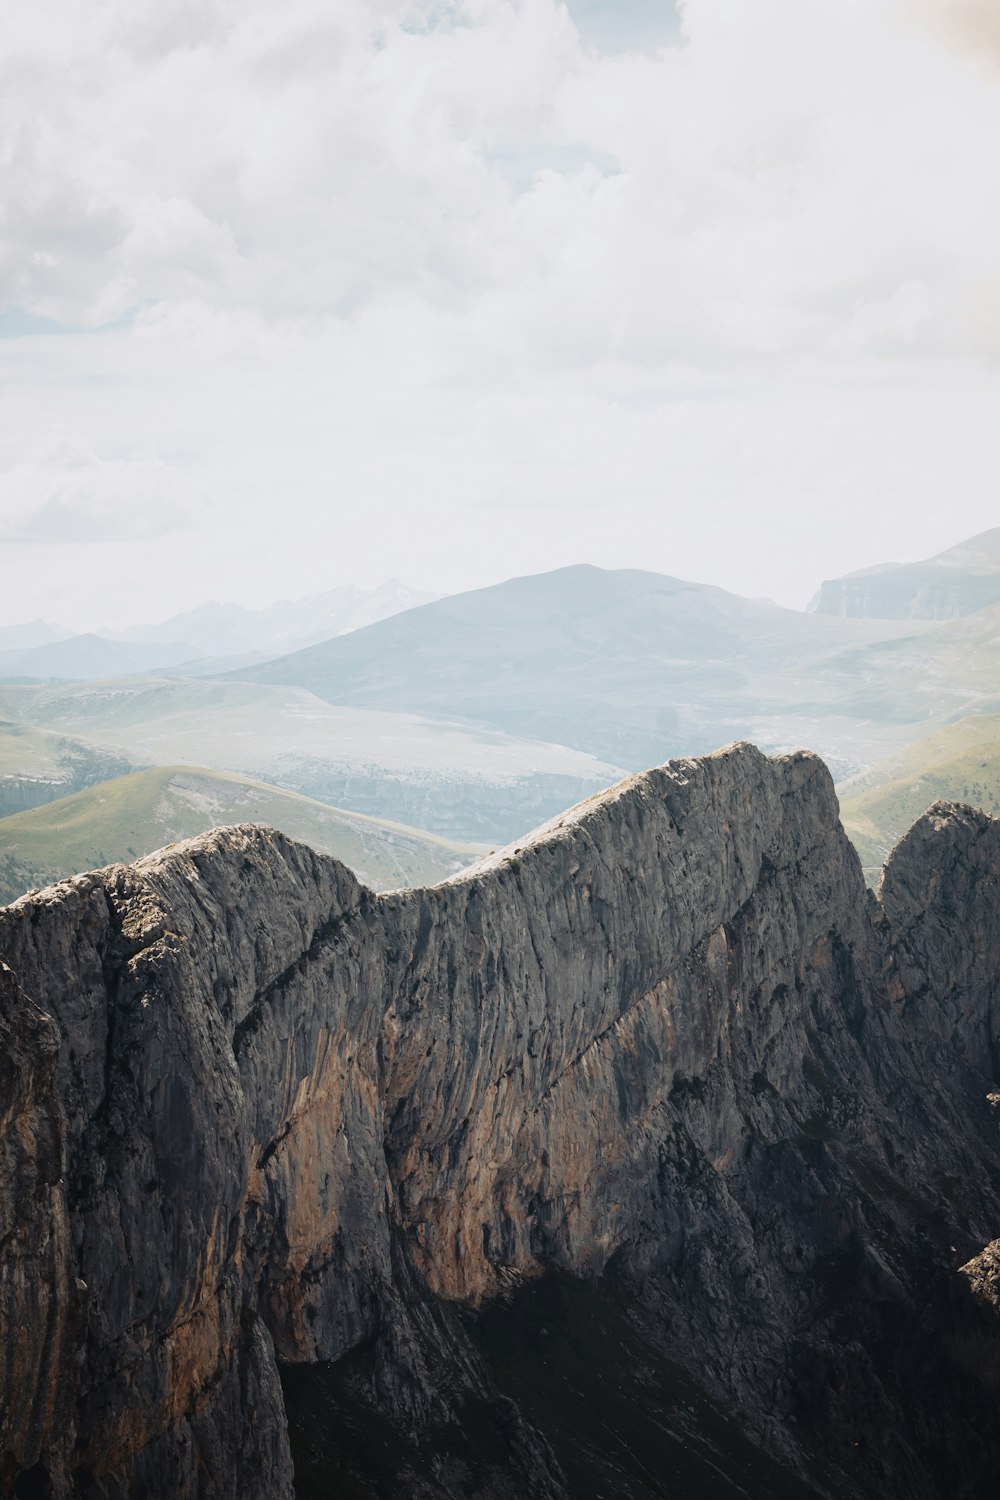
(959, 763)
(132, 815)
(37, 766)
(27, 751)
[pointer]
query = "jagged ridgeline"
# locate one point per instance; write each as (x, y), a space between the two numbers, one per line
(654, 1156)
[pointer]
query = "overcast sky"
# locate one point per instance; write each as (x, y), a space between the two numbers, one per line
(327, 291)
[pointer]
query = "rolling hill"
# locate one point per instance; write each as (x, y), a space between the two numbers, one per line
(38, 766)
(959, 763)
(130, 816)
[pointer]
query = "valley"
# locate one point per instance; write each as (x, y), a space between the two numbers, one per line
(478, 716)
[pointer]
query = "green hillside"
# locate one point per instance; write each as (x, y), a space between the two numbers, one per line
(465, 782)
(123, 819)
(38, 765)
(959, 763)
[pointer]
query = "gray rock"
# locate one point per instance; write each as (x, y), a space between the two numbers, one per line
(668, 1042)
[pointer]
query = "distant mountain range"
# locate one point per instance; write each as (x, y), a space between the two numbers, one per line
(230, 629)
(212, 637)
(631, 667)
(32, 633)
(480, 715)
(958, 582)
(86, 657)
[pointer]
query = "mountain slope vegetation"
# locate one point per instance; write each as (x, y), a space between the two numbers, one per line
(130, 816)
(960, 763)
(39, 765)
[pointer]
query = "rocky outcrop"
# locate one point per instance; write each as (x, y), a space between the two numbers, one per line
(912, 593)
(940, 895)
(668, 1044)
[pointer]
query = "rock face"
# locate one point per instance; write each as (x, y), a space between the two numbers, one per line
(945, 587)
(668, 1046)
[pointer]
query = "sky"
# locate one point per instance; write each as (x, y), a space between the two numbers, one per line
(337, 290)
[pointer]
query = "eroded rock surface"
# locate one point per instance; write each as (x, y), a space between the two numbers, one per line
(669, 1044)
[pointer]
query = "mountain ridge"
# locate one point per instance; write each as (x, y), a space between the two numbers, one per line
(670, 1045)
(220, 629)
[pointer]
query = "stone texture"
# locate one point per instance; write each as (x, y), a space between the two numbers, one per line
(40, 1302)
(669, 1041)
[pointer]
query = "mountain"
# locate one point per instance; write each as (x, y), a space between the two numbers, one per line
(122, 819)
(628, 666)
(463, 781)
(959, 763)
(84, 657)
(944, 587)
(37, 766)
(653, 1156)
(33, 633)
(231, 629)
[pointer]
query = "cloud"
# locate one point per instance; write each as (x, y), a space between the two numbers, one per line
(974, 23)
(72, 497)
(381, 268)
(783, 174)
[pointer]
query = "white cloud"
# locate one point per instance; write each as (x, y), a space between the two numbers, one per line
(66, 496)
(383, 268)
(786, 166)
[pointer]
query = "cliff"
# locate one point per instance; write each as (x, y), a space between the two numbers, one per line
(947, 586)
(667, 1047)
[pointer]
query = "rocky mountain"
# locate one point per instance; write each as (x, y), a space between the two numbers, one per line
(126, 817)
(461, 781)
(944, 587)
(229, 629)
(629, 666)
(652, 1156)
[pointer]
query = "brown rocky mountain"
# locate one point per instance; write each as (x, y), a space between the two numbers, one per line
(654, 1156)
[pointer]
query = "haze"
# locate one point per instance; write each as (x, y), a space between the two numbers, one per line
(328, 292)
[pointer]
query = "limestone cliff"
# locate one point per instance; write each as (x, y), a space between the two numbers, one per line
(668, 1045)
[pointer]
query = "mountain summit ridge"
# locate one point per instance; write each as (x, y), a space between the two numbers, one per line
(670, 1046)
